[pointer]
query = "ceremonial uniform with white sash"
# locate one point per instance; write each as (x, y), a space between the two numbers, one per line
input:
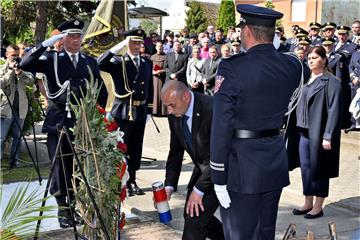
(66, 75)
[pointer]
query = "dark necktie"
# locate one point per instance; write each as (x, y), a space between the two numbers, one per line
(136, 63)
(186, 131)
(74, 62)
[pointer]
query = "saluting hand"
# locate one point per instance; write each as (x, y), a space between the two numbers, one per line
(51, 41)
(194, 203)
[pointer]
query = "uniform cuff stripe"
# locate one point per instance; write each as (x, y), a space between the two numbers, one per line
(217, 164)
(217, 168)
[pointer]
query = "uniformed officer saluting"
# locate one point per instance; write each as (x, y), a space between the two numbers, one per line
(248, 160)
(66, 72)
(132, 76)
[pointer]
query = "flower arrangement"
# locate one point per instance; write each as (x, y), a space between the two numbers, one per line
(101, 151)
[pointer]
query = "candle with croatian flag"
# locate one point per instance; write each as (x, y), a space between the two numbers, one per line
(161, 202)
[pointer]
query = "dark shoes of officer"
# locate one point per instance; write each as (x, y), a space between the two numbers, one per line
(64, 217)
(133, 189)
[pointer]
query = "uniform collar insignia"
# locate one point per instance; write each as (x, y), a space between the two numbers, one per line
(143, 60)
(126, 59)
(61, 54)
(82, 55)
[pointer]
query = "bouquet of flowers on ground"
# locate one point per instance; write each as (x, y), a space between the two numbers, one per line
(101, 150)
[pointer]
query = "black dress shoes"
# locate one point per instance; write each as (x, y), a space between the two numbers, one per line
(77, 217)
(300, 212)
(133, 189)
(64, 218)
(313, 216)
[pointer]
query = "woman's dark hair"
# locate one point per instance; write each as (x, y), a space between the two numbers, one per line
(320, 50)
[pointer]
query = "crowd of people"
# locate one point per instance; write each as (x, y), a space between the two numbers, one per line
(202, 81)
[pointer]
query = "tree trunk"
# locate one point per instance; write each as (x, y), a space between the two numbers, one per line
(41, 21)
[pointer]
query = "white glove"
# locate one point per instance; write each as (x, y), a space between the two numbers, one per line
(51, 41)
(115, 49)
(148, 117)
(222, 195)
(276, 41)
(108, 116)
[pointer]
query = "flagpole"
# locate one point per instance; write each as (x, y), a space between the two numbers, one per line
(126, 18)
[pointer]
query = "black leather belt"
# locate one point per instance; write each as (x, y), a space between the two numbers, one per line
(241, 133)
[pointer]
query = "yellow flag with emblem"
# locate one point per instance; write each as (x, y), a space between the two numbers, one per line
(103, 32)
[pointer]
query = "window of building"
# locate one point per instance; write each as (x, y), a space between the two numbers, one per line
(298, 10)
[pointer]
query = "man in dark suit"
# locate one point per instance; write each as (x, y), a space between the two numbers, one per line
(133, 97)
(355, 27)
(176, 63)
(249, 165)
(190, 123)
(193, 41)
(65, 71)
(209, 71)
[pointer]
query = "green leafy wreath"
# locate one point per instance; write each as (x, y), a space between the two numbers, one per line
(101, 152)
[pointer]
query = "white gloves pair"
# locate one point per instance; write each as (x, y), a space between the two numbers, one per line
(51, 41)
(222, 195)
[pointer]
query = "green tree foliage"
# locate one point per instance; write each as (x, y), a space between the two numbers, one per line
(196, 18)
(269, 4)
(226, 17)
(19, 17)
(211, 13)
(148, 26)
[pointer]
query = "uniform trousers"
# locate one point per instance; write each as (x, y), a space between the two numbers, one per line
(311, 186)
(251, 216)
(133, 138)
(205, 225)
(58, 187)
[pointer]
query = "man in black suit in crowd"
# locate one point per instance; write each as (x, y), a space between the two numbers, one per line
(176, 63)
(69, 70)
(133, 97)
(193, 41)
(209, 71)
(190, 124)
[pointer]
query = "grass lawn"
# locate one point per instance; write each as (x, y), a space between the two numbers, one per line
(24, 172)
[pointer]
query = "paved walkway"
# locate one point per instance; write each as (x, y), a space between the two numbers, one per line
(342, 205)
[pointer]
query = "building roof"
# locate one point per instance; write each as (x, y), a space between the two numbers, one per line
(145, 12)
